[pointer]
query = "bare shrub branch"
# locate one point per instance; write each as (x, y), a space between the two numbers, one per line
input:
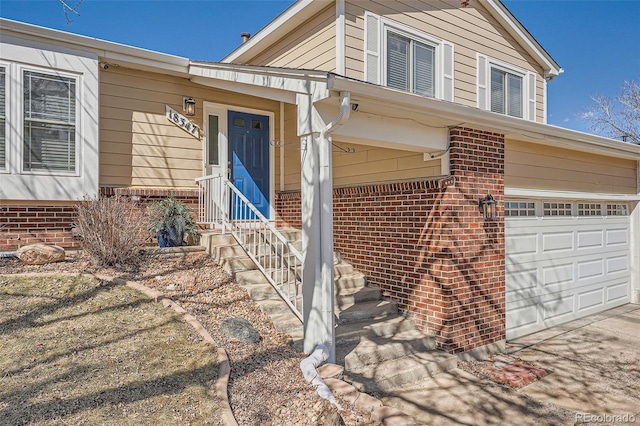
(113, 230)
(617, 118)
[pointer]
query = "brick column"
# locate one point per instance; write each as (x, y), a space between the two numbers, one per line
(462, 258)
(426, 244)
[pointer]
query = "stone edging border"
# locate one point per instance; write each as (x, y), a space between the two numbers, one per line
(330, 373)
(363, 402)
(224, 368)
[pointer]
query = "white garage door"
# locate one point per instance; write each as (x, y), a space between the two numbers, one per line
(564, 260)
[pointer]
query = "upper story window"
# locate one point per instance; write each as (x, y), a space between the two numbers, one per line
(403, 58)
(3, 119)
(49, 140)
(505, 89)
(410, 65)
(506, 93)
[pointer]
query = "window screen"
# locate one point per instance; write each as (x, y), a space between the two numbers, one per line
(410, 65)
(506, 93)
(49, 122)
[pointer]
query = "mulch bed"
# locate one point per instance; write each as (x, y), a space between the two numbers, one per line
(266, 384)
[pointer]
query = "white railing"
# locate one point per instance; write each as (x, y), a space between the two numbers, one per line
(223, 206)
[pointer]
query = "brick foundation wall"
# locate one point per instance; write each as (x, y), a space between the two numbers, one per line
(426, 243)
(51, 223)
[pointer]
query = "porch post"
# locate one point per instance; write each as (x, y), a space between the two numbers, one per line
(317, 231)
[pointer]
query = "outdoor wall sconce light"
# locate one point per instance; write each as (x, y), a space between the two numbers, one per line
(488, 206)
(189, 106)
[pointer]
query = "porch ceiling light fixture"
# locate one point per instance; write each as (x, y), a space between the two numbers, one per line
(189, 106)
(488, 206)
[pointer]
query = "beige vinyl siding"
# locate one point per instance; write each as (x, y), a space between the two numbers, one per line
(138, 146)
(472, 30)
(366, 165)
(310, 46)
(533, 166)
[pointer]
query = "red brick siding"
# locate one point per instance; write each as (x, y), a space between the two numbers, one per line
(21, 225)
(427, 245)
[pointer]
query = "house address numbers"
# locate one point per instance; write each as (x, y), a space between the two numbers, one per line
(183, 122)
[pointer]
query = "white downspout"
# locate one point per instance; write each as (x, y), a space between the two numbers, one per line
(308, 367)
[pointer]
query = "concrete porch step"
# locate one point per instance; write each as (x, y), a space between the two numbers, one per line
(349, 297)
(399, 372)
(351, 312)
(374, 350)
(386, 326)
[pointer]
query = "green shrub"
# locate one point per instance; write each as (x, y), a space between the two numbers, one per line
(173, 219)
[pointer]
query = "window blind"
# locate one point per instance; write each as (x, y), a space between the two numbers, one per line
(397, 61)
(49, 122)
(497, 91)
(514, 95)
(423, 69)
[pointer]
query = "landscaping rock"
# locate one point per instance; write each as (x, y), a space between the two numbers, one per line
(240, 329)
(40, 254)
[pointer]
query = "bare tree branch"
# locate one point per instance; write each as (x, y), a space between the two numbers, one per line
(619, 117)
(70, 9)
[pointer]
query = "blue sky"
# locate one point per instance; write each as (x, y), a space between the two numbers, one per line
(596, 42)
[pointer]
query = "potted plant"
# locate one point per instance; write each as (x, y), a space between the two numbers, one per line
(170, 221)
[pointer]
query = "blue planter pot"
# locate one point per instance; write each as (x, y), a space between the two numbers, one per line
(170, 237)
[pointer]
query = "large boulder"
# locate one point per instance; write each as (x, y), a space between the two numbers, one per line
(39, 254)
(240, 329)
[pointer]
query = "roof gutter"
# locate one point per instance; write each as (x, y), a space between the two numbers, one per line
(104, 49)
(457, 113)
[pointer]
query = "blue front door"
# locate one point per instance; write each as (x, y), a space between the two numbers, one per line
(249, 159)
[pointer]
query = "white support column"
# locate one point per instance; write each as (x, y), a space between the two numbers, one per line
(635, 243)
(317, 230)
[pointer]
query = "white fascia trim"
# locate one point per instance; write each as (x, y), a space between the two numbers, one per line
(286, 21)
(104, 49)
(568, 195)
(465, 115)
(309, 83)
(531, 45)
(341, 49)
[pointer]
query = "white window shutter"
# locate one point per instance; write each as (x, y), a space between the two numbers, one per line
(447, 71)
(531, 96)
(482, 82)
(372, 48)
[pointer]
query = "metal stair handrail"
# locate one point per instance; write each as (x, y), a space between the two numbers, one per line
(222, 204)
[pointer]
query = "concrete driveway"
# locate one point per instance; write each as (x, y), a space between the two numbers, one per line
(594, 363)
(594, 370)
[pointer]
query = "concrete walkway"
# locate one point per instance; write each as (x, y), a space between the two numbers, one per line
(594, 369)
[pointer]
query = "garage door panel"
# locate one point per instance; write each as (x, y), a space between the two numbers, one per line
(523, 284)
(589, 299)
(562, 268)
(590, 239)
(617, 264)
(554, 242)
(556, 306)
(617, 237)
(522, 244)
(590, 269)
(521, 316)
(618, 292)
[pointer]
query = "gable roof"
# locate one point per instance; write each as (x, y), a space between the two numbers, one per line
(301, 10)
(514, 27)
(280, 26)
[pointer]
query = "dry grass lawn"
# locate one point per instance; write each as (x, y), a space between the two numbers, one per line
(75, 350)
